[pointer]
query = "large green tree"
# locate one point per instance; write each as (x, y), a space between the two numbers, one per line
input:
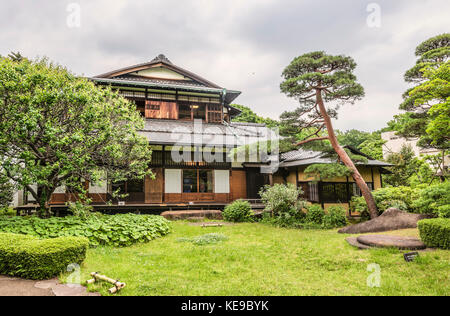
(57, 129)
(316, 78)
(429, 88)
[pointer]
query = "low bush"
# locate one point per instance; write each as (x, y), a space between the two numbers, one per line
(281, 199)
(284, 202)
(293, 219)
(8, 211)
(435, 232)
(335, 217)
(398, 197)
(434, 199)
(109, 230)
(31, 258)
(315, 214)
(239, 211)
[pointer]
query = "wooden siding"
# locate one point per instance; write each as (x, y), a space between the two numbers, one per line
(154, 187)
(161, 110)
(238, 184)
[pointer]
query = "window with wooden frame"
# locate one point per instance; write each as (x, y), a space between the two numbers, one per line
(330, 192)
(198, 181)
(214, 113)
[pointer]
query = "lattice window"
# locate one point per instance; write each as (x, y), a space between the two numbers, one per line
(214, 113)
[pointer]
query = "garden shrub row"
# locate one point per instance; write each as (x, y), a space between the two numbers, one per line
(435, 232)
(109, 230)
(288, 209)
(38, 259)
(434, 199)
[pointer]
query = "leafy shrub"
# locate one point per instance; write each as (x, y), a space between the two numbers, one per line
(207, 239)
(111, 230)
(283, 201)
(434, 199)
(31, 258)
(292, 219)
(9, 211)
(239, 211)
(402, 197)
(315, 214)
(335, 217)
(6, 192)
(435, 232)
(80, 210)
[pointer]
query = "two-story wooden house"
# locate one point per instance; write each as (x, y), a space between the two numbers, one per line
(189, 128)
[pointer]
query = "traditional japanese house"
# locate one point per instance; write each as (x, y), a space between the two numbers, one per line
(189, 128)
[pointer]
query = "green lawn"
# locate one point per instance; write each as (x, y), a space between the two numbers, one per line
(262, 260)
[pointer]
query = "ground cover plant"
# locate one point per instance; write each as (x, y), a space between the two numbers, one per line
(262, 259)
(113, 230)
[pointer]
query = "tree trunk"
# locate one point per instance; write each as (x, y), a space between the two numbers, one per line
(44, 194)
(371, 205)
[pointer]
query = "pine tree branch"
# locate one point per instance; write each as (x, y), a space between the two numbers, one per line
(311, 140)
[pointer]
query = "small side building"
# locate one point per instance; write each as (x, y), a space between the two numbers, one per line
(336, 191)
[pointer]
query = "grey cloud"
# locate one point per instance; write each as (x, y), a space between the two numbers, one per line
(242, 45)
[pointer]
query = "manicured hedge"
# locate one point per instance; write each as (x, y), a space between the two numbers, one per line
(38, 259)
(435, 232)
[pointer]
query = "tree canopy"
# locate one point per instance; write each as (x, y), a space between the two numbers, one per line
(57, 129)
(431, 90)
(249, 116)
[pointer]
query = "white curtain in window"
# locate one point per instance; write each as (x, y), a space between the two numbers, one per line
(172, 183)
(221, 181)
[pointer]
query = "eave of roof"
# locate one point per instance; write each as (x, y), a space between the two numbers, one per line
(302, 157)
(205, 134)
(230, 96)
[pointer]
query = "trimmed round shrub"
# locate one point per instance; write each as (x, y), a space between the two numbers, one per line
(336, 217)
(315, 214)
(238, 211)
(38, 259)
(435, 232)
(107, 230)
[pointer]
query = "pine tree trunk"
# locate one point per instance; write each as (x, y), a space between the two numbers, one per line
(371, 205)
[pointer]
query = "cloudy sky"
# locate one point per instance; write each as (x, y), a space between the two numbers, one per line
(238, 44)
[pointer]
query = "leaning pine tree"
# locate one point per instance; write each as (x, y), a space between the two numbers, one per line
(316, 78)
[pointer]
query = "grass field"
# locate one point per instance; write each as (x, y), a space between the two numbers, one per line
(262, 260)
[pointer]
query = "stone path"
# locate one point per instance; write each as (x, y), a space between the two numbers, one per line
(386, 241)
(18, 287)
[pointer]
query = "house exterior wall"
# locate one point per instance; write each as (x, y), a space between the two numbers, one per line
(366, 173)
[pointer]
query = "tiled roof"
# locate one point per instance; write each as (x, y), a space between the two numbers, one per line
(195, 133)
(160, 81)
(303, 157)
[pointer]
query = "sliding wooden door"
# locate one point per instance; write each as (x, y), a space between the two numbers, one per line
(154, 187)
